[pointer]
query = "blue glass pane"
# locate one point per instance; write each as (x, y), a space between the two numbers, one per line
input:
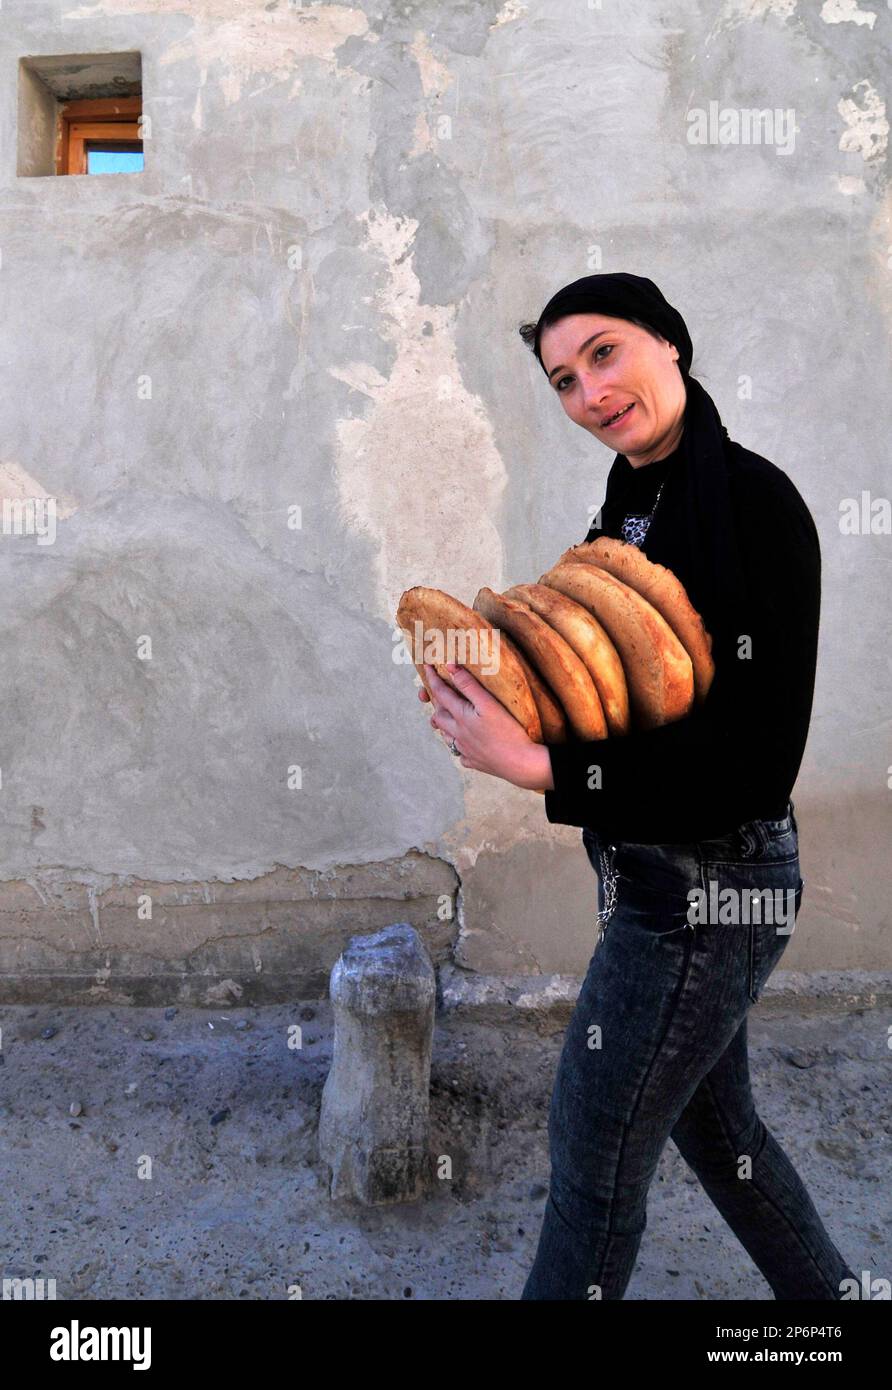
(114, 161)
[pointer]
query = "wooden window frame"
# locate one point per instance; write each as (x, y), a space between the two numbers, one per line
(89, 121)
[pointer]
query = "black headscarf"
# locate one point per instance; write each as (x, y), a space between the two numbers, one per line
(712, 574)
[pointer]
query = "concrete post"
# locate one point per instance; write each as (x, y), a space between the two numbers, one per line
(373, 1129)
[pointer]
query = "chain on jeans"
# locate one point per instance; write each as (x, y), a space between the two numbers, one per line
(608, 878)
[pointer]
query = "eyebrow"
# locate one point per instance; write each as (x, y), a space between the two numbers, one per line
(582, 347)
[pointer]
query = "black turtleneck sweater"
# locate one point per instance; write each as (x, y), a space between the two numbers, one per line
(735, 757)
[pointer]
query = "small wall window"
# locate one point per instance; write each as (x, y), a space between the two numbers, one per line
(80, 113)
(100, 137)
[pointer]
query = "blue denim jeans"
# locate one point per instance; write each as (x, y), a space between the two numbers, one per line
(657, 1049)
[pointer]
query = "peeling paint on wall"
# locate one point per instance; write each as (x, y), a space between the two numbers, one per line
(850, 185)
(846, 12)
(743, 11)
(435, 76)
(421, 474)
(435, 80)
(868, 128)
(245, 39)
(510, 11)
(433, 523)
(17, 485)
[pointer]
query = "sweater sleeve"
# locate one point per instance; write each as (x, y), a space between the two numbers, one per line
(748, 735)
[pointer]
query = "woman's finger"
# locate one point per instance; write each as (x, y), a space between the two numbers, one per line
(476, 694)
(445, 723)
(447, 697)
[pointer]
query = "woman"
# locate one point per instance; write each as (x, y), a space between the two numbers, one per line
(690, 826)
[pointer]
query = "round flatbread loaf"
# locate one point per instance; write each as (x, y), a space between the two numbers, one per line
(658, 670)
(592, 645)
(439, 628)
(554, 723)
(661, 588)
(556, 661)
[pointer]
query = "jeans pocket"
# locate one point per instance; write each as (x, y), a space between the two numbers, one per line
(759, 898)
(654, 886)
(768, 940)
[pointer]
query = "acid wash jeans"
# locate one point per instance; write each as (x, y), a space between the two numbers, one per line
(657, 1049)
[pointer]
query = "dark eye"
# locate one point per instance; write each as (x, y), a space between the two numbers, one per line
(602, 347)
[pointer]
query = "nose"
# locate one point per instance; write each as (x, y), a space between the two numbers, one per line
(593, 393)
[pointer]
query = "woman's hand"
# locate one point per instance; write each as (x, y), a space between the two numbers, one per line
(490, 739)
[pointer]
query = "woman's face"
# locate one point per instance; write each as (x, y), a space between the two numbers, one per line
(598, 365)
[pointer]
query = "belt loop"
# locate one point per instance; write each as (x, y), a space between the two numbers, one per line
(751, 837)
(757, 827)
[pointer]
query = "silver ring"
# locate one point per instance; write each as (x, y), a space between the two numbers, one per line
(456, 752)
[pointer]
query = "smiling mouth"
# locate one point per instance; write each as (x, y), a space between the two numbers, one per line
(620, 415)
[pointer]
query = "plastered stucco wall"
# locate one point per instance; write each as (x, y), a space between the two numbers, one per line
(309, 300)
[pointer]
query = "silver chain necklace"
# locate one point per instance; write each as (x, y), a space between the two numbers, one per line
(635, 526)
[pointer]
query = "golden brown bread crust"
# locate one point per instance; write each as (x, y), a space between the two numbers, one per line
(592, 645)
(554, 723)
(658, 670)
(458, 627)
(661, 588)
(549, 654)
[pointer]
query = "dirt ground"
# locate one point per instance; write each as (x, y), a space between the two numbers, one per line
(236, 1204)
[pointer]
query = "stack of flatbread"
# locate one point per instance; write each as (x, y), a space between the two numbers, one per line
(605, 642)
